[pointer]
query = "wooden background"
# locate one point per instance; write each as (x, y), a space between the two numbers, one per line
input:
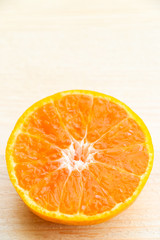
(107, 46)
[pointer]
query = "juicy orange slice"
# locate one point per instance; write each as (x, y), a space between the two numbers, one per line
(79, 157)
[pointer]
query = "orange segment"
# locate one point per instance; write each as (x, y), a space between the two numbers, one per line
(74, 110)
(119, 185)
(95, 199)
(79, 157)
(28, 174)
(71, 195)
(133, 159)
(125, 134)
(28, 149)
(105, 114)
(45, 123)
(47, 193)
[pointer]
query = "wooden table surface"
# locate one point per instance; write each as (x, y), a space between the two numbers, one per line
(107, 46)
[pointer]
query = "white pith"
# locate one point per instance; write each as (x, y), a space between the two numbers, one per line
(84, 153)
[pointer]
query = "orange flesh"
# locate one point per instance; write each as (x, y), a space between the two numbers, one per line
(80, 154)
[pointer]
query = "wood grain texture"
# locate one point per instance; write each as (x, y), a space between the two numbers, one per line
(107, 46)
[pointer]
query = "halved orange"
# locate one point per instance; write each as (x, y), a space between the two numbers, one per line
(79, 157)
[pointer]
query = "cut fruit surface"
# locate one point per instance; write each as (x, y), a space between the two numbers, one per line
(79, 157)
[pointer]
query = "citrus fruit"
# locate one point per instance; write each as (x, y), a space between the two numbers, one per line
(79, 157)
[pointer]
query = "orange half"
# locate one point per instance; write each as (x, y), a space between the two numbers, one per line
(79, 157)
